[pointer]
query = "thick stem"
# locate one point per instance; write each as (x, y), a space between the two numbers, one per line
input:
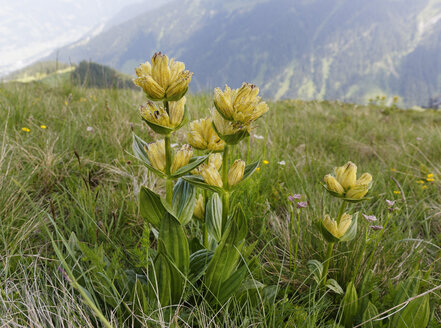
(168, 162)
(204, 225)
(327, 260)
(341, 211)
(225, 195)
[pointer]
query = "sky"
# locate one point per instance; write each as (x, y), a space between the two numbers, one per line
(31, 29)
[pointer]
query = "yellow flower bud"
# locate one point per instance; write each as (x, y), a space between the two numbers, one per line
(333, 184)
(163, 79)
(154, 114)
(235, 174)
(176, 111)
(199, 209)
(202, 136)
(365, 179)
(210, 175)
(223, 102)
(347, 175)
(215, 160)
(160, 69)
(337, 230)
(225, 127)
(156, 154)
(178, 87)
(357, 191)
(181, 158)
(151, 88)
(240, 105)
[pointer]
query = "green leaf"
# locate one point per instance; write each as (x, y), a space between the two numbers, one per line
(199, 261)
(365, 290)
(192, 164)
(316, 269)
(213, 217)
(139, 150)
(198, 181)
(351, 233)
(184, 199)
(232, 139)
(370, 312)
(161, 280)
(227, 255)
(416, 314)
(174, 244)
(150, 206)
(350, 305)
(232, 284)
(334, 286)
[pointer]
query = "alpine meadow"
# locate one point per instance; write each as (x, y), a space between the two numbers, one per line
(220, 164)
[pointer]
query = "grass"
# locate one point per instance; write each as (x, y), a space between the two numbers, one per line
(79, 177)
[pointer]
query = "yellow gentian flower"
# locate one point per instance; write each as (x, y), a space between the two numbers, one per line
(338, 230)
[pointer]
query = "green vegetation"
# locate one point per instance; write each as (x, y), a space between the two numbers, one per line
(69, 182)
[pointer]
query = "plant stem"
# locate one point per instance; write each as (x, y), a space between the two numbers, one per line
(328, 259)
(297, 239)
(291, 234)
(225, 195)
(168, 162)
(354, 275)
(204, 225)
(341, 211)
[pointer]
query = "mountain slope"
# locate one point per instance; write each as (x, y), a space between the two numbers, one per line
(344, 49)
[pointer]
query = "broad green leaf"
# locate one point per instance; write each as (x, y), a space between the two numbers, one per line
(232, 284)
(174, 244)
(184, 199)
(370, 312)
(406, 290)
(334, 286)
(213, 217)
(316, 269)
(150, 206)
(227, 255)
(139, 150)
(350, 305)
(192, 164)
(161, 280)
(199, 261)
(198, 181)
(416, 314)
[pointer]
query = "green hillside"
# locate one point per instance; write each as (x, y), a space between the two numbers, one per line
(315, 49)
(69, 210)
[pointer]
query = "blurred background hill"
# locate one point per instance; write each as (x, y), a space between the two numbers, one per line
(350, 50)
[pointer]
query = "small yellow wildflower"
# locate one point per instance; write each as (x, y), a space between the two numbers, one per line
(393, 169)
(43, 126)
(430, 179)
(258, 169)
(25, 129)
(265, 162)
(397, 192)
(430, 175)
(424, 187)
(65, 102)
(420, 182)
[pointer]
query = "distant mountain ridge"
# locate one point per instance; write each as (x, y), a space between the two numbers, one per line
(351, 50)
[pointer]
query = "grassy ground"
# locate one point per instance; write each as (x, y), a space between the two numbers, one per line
(78, 176)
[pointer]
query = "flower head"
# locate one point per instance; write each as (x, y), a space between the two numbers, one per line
(163, 79)
(25, 129)
(181, 158)
(390, 203)
(43, 127)
(291, 198)
(153, 113)
(240, 105)
(235, 174)
(302, 204)
(210, 175)
(376, 227)
(370, 218)
(199, 209)
(202, 136)
(345, 183)
(156, 154)
(338, 230)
